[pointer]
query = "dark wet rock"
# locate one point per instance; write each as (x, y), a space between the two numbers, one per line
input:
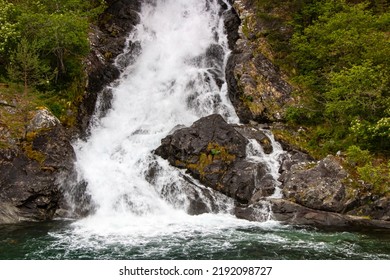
(235, 92)
(374, 209)
(317, 185)
(31, 177)
(214, 152)
(292, 158)
(192, 141)
(266, 189)
(292, 213)
(186, 193)
(232, 22)
(251, 132)
(107, 41)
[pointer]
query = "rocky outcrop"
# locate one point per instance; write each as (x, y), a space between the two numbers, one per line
(107, 40)
(31, 171)
(318, 185)
(256, 86)
(325, 185)
(315, 193)
(214, 152)
(319, 194)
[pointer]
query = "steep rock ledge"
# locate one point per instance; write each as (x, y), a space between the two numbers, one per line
(108, 40)
(256, 87)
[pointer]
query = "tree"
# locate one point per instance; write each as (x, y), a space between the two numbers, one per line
(25, 65)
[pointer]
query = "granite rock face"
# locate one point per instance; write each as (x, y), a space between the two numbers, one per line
(317, 185)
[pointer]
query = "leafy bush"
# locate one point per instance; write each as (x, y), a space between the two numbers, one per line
(48, 58)
(342, 58)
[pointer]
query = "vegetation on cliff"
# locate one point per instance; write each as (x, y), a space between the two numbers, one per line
(337, 55)
(42, 47)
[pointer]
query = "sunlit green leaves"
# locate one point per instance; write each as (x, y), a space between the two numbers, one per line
(9, 32)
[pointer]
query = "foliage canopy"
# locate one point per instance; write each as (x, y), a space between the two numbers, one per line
(43, 44)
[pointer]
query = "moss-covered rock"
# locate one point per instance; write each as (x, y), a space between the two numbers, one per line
(30, 185)
(214, 152)
(257, 87)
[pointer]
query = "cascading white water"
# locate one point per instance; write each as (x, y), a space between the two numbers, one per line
(176, 78)
(272, 160)
(171, 81)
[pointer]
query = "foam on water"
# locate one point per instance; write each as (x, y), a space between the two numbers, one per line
(272, 161)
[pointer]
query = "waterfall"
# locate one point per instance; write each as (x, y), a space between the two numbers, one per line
(272, 160)
(175, 76)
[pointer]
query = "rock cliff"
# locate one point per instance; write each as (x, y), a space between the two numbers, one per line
(257, 87)
(32, 170)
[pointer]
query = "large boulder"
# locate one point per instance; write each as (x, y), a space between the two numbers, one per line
(318, 185)
(214, 152)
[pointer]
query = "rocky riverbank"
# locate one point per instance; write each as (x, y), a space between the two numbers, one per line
(317, 193)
